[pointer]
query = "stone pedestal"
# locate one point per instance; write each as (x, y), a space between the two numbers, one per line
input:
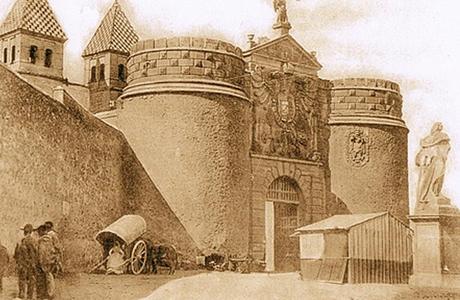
(436, 247)
(282, 28)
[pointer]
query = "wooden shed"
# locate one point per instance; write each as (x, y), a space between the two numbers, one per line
(364, 248)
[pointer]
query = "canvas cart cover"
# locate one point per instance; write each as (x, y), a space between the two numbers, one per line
(127, 229)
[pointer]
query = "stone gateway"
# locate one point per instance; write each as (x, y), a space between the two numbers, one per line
(223, 151)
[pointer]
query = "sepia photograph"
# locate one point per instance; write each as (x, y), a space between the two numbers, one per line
(229, 149)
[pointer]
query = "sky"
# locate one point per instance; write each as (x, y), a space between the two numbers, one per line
(413, 42)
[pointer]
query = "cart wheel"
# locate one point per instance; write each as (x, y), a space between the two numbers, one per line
(139, 257)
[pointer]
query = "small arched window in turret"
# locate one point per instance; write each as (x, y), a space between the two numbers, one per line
(93, 74)
(48, 58)
(5, 55)
(33, 54)
(122, 72)
(13, 54)
(102, 72)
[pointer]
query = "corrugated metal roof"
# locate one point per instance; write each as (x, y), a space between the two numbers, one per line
(114, 33)
(35, 16)
(339, 222)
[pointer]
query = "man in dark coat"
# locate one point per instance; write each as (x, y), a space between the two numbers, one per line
(4, 261)
(25, 255)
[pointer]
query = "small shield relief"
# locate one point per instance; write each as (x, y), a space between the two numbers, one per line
(284, 102)
(358, 148)
(286, 107)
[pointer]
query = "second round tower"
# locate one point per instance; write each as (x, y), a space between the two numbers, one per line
(368, 146)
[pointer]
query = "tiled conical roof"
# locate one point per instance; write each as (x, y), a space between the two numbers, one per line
(114, 33)
(34, 16)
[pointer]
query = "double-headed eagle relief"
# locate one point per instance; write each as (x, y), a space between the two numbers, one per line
(287, 114)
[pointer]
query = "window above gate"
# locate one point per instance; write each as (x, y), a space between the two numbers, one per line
(284, 189)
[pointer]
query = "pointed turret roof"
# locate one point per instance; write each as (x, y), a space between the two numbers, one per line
(115, 33)
(34, 16)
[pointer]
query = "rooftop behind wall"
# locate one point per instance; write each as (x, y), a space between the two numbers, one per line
(60, 163)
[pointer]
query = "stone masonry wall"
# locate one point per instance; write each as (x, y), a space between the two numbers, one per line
(368, 146)
(7, 42)
(60, 163)
(188, 120)
(185, 57)
(195, 147)
(311, 178)
(379, 185)
(42, 44)
(22, 43)
(355, 96)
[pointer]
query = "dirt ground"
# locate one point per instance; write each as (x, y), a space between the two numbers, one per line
(190, 285)
(89, 287)
(288, 286)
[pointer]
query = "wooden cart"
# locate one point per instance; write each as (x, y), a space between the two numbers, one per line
(127, 231)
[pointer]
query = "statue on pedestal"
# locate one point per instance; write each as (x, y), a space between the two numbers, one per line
(282, 22)
(436, 222)
(281, 11)
(431, 160)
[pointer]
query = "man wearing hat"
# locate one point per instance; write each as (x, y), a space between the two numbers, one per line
(25, 255)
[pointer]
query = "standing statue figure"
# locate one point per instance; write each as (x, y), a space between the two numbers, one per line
(431, 160)
(281, 11)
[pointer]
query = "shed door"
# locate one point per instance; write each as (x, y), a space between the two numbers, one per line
(286, 248)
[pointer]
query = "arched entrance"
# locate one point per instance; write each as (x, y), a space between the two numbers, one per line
(281, 219)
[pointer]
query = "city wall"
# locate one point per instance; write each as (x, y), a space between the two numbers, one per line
(60, 163)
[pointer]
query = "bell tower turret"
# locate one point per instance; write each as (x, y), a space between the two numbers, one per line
(32, 40)
(105, 59)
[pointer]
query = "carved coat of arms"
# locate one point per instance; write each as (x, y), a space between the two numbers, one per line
(283, 102)
(286, 114)
(358, 148)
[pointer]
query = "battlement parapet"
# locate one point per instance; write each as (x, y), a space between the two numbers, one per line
(366, 100)
(188, 63)
(187, 43)
(380, 84)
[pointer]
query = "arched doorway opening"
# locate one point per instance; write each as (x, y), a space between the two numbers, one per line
(282, 212)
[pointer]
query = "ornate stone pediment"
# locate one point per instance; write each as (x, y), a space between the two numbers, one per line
(285, 49)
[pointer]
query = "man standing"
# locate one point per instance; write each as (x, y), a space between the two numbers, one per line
(46, 261)
(57, 268)
(4, 261)
(25, 255)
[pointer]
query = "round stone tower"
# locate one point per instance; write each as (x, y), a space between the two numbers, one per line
(368, 146)
(187, 118)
